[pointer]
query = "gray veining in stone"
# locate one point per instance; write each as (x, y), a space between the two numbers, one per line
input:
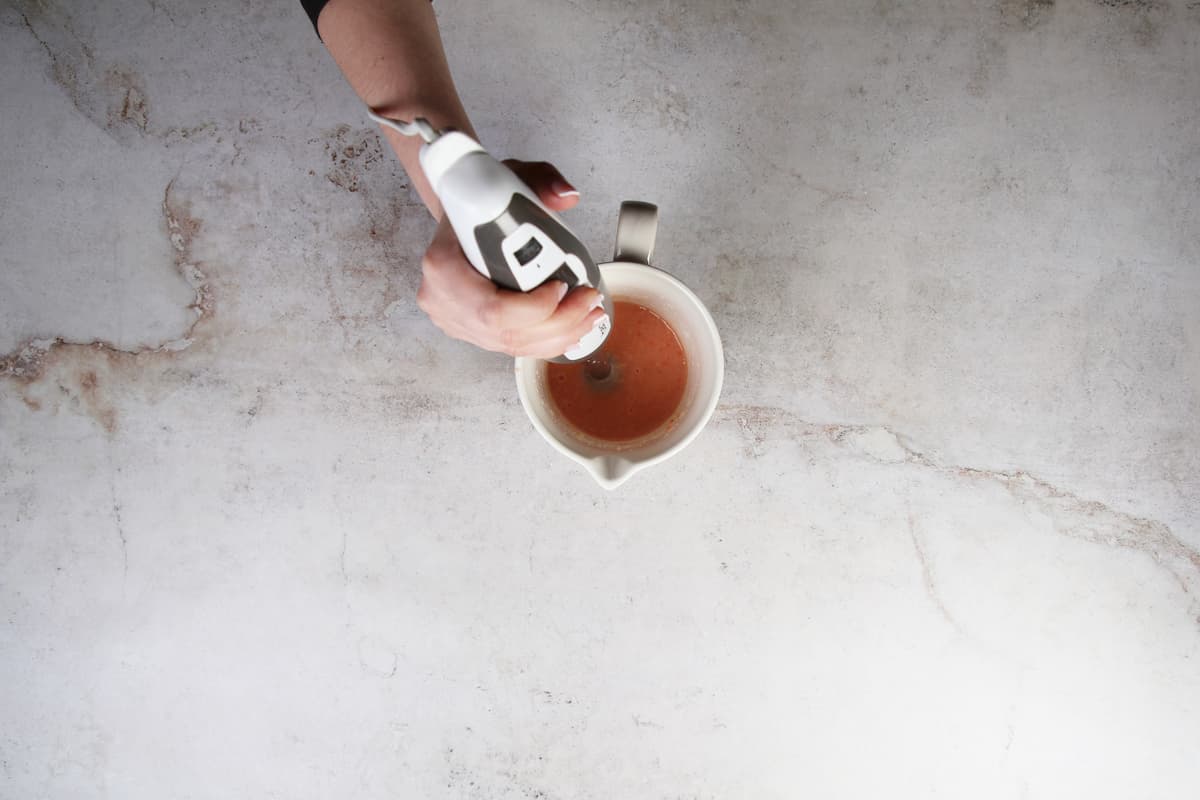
(941, 538)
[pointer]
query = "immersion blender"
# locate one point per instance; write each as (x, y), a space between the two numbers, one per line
(502, 226)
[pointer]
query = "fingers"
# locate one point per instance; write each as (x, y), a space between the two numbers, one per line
(508, 310)
(572, 319)
(556, 347)
(581, 329)
(466, 305)
(552, 188)
(577, 304)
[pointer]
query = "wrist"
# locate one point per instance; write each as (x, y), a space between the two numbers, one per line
(442, 115)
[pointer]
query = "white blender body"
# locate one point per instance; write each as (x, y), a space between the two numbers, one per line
(502, 226)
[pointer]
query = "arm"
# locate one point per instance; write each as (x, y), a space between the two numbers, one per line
(391, 53)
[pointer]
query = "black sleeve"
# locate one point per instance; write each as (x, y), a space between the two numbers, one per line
(313, 9)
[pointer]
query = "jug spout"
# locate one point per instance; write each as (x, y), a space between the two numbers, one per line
(610, 471)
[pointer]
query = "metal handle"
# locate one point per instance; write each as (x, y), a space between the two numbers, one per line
(637, 227)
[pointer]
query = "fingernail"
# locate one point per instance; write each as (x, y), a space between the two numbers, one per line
(564, 189)
(562, 290)
(599, 301)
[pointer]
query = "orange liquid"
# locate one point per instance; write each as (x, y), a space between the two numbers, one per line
(642, 391)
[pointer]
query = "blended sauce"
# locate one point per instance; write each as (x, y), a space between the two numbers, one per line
(642, 390)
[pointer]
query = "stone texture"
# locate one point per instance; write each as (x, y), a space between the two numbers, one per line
(942, 537)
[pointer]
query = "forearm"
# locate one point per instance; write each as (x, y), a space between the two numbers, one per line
(391, 53)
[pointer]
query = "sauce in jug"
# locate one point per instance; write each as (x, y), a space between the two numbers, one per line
(641, 390)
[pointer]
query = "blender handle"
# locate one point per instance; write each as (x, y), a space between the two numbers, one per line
(637, 226)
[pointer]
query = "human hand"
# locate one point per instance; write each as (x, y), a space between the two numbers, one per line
(468, 306)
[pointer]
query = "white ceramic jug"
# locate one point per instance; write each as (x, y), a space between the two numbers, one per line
(630, 277)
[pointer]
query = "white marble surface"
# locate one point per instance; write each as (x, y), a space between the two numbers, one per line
(942, 538)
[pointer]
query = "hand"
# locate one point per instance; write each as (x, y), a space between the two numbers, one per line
(468, 306)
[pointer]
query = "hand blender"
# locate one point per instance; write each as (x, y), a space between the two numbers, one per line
(504, 230)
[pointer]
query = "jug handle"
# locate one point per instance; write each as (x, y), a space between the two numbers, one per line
(637, 227)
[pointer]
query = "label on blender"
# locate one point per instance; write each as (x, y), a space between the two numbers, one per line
(591, 340)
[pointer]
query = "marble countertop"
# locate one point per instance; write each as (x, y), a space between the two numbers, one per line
(264, 532)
